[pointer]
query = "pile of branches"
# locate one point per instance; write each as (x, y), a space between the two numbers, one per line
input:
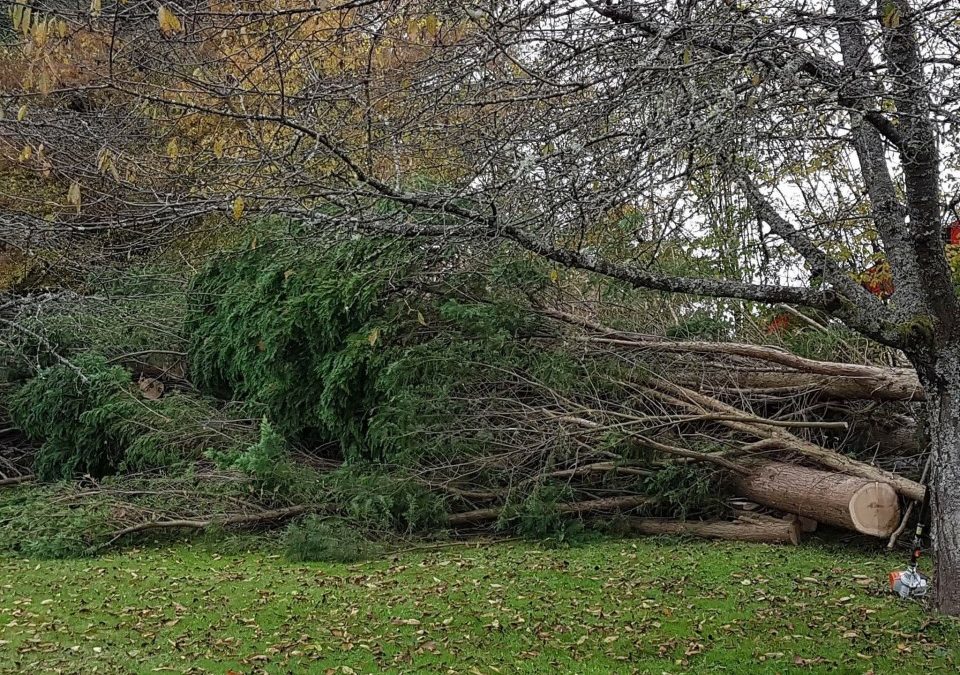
(492, 402)
(795, 434)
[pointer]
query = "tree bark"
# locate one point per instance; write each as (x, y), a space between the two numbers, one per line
(865, 506)
(943, 413)
(886, 384)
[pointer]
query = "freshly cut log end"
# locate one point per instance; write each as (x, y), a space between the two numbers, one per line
(866, 506)
(875, 509)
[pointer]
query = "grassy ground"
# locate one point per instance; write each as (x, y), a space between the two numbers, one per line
(611, 606)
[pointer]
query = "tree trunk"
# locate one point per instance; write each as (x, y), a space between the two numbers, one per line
(944, 420)
(876, 384)
(746, 528)
(858, 504)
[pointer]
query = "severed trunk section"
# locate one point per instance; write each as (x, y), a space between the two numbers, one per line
(866, 506)
(755, 528)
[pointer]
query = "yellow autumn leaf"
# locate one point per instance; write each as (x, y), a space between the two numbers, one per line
(373, 336)
(26, 17)
(238, 208)
(169, 22)
(96, 7)
(103, 160)
(431, 25)
(22, 113)
(218, 147)
(44, 86)
(105, 163)
(16, 14)
(40, 33)
(173, 150)
(73, 195)
(420, 319)
(26, 153)
(891, 15)
(554, 275)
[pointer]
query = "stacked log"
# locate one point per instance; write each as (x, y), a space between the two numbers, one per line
(753, 528)
(858, 504)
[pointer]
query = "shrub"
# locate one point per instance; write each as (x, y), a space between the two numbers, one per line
(537, 516)
(687, 489)
(293, 330)
(317, 539)
(115, 312)
(35, 524)
(69, 411)
(702, 326)
(379, 501)
(266, 461)
(358, 343)
(71, 519)
(90, 419)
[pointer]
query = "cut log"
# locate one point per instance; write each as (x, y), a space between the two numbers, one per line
(764, 530)
(877, 384)
(865, 506)
(16, 480)
(682, 397)
(807, 525)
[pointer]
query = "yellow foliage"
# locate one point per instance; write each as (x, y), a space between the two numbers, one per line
(73, 195)
(44, 86)
(431, 25)
(105, 163)
(238, 208)
(169, 22)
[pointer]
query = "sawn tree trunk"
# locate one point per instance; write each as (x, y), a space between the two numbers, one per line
(858, 504)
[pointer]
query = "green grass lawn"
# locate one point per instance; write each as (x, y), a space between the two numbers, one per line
(647, 605)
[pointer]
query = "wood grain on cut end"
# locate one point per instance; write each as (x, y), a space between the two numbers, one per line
(875, 509)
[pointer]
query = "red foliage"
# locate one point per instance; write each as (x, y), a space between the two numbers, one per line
(878, 280)
(778, 324)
